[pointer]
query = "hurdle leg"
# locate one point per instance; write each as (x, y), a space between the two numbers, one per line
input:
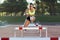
(14, 33)
(40, 33)
(21, 33)
(46, 33)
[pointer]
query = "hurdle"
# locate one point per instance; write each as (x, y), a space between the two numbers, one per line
(30, 28)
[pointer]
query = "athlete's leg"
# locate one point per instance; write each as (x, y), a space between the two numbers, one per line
(32, 19)
(27, 22)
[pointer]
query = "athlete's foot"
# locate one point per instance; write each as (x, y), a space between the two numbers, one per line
(25, 29)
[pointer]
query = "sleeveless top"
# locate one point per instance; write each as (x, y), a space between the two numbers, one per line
(31, 13)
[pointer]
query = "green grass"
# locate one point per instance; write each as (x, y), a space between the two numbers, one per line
(48, 18)
(19, 19)
(14, 19)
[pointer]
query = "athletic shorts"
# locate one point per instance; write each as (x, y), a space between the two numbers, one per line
(30, 18)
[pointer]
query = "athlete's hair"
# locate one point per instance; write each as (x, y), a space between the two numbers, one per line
(31, 4)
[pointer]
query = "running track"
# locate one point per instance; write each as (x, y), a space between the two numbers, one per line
(53, 31)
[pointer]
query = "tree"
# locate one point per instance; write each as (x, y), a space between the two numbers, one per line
(51, 4)
(38, 8)
(14, 6)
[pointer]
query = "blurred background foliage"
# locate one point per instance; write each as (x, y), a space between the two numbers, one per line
(46, 10)
(18, 7)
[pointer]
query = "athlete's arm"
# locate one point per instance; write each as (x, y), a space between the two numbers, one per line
(26, 12)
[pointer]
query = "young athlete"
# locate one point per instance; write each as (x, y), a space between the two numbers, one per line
(30, 15)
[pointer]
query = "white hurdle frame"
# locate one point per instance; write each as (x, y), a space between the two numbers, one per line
(29, 28)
